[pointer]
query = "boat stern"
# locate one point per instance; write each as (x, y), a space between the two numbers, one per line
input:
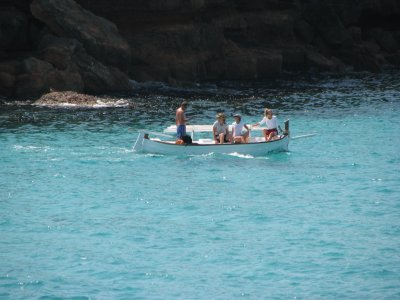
(286, 131)
(138, 146)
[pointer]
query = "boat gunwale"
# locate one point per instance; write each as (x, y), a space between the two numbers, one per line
(225, 144)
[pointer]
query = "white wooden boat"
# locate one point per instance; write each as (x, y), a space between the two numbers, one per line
(151, 142)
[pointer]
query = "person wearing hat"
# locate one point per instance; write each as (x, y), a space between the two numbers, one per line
(271, 122)
(238, 136)
(220, 130)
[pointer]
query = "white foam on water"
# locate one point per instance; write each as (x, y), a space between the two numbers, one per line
(118, 103)
(203, 155)
(64, 104)
(32, 148)
(236, 154)
(100, 103)
(152, 155)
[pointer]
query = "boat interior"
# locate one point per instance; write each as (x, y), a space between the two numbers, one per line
(256, 139)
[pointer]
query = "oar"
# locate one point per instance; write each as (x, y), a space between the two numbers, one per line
(303, 136)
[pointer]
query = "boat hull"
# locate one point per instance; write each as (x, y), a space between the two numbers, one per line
(147, 145)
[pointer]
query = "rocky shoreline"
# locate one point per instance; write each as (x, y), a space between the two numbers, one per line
(95, 47)
(58, 45)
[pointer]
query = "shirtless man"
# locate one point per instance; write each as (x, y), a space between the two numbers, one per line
(181, 120)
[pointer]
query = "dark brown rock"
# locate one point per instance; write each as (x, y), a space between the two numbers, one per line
(59, 51)
(185, 69)
(241, 66)
(371, 47)
(76, 70)
(14, 30)
(327, 23)
(387, 41)
(394, 58)
(321, 63)
(381, 7)
(355, 33)
(349, 12)
(361, 58)
(294, 59)
(33, 65)
(32, 80)
(30, 85)
(99, 36)
(270, 28)
(181, 39)
(59, 80)
(257, 5)
(215, 69)
(269, 64)
(245, 64)
(66, 44)
(7, 84)
(99, 78)
(304, 31)
(38, 76)
(11, 66)
(160, 72)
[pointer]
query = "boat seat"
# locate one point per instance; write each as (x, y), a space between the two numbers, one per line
(256, 139)
(205, 141)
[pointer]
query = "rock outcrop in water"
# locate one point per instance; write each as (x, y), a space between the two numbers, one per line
(69, 98)
(66, 98)
(93, 46)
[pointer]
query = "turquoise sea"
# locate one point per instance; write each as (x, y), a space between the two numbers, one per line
(82, 216)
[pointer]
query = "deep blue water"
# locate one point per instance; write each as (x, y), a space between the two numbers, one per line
(82, 216)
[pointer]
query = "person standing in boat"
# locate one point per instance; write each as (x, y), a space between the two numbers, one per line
(220, 130)
(181, 120)
(271, 122)
(238, 136)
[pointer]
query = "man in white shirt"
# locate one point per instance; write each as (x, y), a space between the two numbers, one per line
(220, 130)
(238, 136)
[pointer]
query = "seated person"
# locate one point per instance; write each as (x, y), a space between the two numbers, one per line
(220, 130)
(238, 136)
(272, 125)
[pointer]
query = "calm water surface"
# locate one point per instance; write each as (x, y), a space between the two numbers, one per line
(82, 216)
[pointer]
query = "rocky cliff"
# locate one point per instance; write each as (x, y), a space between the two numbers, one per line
(95, 45)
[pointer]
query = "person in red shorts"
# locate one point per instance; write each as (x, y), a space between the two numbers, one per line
(271, 122)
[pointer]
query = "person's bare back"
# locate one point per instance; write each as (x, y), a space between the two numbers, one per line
(180, 114)
(181, 121)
